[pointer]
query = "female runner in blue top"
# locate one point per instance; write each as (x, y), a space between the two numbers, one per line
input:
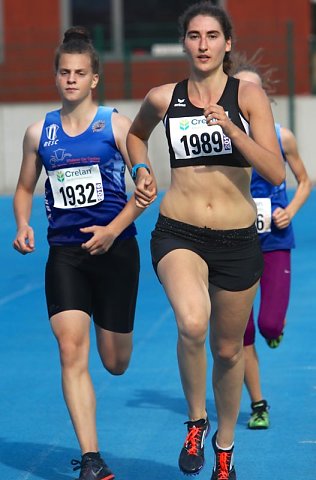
(205, 246)
(274, 216)
(93, 263)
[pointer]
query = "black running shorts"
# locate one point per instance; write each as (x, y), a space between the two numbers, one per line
(104, 286)
(234, 257)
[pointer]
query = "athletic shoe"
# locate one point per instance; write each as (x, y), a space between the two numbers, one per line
(275, 342)
(191, 459)
(259, 418)
(92, 468)
(223, 468)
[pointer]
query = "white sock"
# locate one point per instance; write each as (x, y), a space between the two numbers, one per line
(226, 448)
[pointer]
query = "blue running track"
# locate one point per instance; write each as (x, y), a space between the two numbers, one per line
(141, 414)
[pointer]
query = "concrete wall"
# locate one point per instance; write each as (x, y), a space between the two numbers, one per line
(14, 119)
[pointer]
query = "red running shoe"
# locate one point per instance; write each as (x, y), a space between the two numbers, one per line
(191, 459)
(223, 468)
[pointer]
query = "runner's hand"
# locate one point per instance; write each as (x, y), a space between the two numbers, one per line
(281, 218)
(101, 241)
(146, 190)
(24, 240)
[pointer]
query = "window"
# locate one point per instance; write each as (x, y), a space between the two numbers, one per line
(96, 16)
(313, 46)
(1, 33)
(144, 23)
(313, 17)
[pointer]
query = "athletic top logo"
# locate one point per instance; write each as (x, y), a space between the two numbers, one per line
(51, 131)
(59, 156)
(180, 103)
(98, 126)
(184, 124)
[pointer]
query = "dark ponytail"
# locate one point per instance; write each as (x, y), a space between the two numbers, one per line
(78, 40)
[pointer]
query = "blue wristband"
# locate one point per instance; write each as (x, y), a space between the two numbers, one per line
(136, 167)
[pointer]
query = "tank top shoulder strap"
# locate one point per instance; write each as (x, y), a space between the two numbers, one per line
(180, 90)
(230, 93)
(106, 111)
(53, 117)
(278, 133)
(178, 98)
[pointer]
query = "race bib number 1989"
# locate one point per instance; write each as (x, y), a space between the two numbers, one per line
(192, 137)
(76, 187)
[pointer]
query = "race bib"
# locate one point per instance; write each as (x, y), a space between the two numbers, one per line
(76, 187)
(264, 215)
(192, 137)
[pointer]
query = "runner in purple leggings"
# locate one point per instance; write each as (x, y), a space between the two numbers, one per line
(274, 215)
(275, 294)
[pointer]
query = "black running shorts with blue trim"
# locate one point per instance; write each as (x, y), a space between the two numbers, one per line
(234, 257)
(104, 286)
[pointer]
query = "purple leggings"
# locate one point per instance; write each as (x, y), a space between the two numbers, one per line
(274, 296)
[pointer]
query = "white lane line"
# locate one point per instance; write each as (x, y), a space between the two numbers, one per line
(45, 453)
(168, 312)
(31, 287)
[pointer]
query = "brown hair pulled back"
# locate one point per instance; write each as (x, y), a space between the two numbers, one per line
(78, 40)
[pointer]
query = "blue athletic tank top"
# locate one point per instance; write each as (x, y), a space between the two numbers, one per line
(86, 178)
(277, 239)
(191, 141)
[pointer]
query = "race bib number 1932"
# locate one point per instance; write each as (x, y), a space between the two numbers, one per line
(76, 187)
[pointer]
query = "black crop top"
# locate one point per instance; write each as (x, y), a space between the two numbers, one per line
(191, 141)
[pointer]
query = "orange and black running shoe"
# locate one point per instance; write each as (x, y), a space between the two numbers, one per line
(223, 467)
(191, 459)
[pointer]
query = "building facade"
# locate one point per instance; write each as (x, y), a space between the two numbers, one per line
(30, 32)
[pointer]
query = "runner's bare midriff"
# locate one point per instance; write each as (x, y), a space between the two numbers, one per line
(216, 197)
